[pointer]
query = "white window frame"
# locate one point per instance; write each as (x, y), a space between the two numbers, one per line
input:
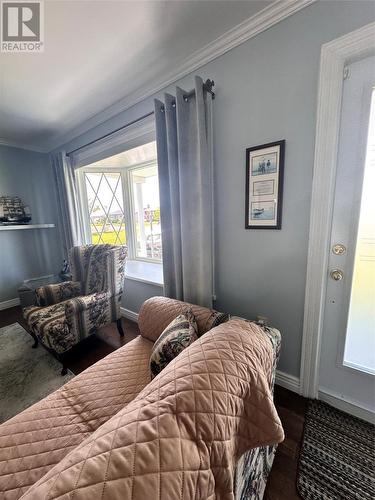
(134, 135)
(151, 163)
(128, 197)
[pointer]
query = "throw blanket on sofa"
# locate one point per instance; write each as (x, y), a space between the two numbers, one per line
(180, 438)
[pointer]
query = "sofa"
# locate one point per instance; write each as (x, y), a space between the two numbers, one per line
(69, 312)
(205, 427)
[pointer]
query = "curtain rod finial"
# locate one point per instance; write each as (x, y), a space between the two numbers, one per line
(208, 86)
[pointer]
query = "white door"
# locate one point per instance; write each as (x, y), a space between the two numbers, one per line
(347, 363)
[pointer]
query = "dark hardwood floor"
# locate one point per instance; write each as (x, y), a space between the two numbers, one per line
(291, 407)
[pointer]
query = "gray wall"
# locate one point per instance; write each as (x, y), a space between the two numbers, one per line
(136, 292)
(28, 253)
(266, 91)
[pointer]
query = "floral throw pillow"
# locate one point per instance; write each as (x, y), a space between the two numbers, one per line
(178, 335)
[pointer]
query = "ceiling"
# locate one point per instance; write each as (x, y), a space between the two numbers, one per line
(99, 53)
(135, 156)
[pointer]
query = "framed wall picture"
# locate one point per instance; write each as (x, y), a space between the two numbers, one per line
(264, 185)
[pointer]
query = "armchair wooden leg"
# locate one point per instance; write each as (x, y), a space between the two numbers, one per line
(35, 344)
(62, 359)
(119, 327)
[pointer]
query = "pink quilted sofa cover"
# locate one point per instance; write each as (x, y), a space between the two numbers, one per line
(110, 433)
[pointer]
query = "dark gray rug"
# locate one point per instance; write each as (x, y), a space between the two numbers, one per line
(337, 459)
(26, 375)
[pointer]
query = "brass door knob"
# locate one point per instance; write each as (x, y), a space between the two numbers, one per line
(337, 274)
(339, 249)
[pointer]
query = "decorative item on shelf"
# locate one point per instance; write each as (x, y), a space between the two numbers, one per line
(13, 211)
(264, 186)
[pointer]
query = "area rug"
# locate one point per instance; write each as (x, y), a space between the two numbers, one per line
(26, 375)
(337, 459)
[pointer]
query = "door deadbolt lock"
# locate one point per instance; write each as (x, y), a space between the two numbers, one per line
(338, 249)
(337, 274)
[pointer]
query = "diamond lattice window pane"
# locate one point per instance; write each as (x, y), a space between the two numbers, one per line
(106, 207)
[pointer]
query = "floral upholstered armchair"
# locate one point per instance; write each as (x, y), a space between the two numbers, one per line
(68, 312)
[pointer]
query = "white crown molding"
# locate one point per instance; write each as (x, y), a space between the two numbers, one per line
(20, 145)
(334, 55)
(261, 21)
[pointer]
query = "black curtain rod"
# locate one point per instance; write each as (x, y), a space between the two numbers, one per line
(207, 87)
(112, 132)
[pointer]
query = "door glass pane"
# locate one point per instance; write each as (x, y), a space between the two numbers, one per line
(146, 212)
(105, 204)
(360, 339)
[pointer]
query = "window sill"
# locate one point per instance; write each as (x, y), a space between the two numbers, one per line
(145, 272)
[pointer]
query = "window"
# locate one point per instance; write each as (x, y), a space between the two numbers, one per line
(146, 212)
(120, 197)
(360, 337)
(105, 207)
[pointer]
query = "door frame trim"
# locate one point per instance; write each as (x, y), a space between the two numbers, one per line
(334, 56)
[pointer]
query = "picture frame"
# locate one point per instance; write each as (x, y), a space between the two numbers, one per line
(264, 185)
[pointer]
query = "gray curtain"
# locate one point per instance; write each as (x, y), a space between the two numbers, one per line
(184, 145)
(70, 217)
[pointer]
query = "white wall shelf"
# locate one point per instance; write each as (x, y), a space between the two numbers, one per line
(26, 226)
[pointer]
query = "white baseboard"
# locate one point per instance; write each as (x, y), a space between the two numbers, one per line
(9, 303)
(287, 381)
(129, 314)
(347, 405)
